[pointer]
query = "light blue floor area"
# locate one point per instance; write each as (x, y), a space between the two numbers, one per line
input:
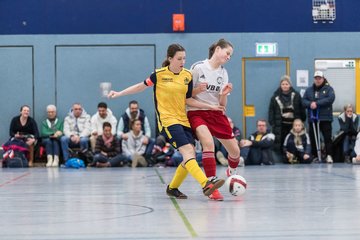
(315, 201)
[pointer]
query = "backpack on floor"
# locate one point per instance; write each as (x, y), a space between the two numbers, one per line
(17, 161)
(74, 163)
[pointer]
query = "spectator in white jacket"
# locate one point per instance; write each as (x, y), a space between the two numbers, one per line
(104, 114)
(76, 130)
(133, 147)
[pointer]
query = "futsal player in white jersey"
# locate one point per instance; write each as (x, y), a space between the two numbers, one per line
(211, 85)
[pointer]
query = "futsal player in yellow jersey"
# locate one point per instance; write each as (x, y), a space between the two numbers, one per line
(172, 92)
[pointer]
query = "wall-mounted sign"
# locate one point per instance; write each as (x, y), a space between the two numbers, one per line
(266, 49)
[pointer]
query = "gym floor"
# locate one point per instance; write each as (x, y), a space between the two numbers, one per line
(316, 201)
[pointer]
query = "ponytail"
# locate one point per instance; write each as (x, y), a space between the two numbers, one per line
(165, 63)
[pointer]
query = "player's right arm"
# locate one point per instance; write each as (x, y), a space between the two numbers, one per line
(139, 87)
(201, 87)
(198, 86)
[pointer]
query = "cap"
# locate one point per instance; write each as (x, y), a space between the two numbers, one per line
(319, 74)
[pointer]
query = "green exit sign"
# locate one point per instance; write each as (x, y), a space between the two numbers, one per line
(266, 49)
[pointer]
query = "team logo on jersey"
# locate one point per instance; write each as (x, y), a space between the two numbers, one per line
(186, 81)
(202, 76)
(213, 88)
(165, 79)
(219, 80)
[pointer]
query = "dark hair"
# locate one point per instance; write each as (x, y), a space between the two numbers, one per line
(133, 102)
(21, 108)
(261, 120)
(102, 105)
(106, 124)
(133, 121)
(171, 51)
(222, 43)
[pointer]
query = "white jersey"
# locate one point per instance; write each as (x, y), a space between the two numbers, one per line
(216, 79)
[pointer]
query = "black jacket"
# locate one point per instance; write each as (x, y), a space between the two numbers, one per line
(275, 111)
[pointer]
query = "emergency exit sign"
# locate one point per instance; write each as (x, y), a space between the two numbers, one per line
(266, 49)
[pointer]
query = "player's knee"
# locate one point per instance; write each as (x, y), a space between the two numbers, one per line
(235, 154)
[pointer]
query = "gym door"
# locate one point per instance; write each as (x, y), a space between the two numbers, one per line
(260, 78)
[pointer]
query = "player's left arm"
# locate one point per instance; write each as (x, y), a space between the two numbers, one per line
(224, 94)
(226, 90)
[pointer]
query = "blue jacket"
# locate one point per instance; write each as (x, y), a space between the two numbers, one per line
(289, 143)
(324, 101)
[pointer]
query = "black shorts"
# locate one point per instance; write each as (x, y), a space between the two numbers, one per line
(178, 135)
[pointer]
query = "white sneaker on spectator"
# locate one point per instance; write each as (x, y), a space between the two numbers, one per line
(329, 159)
(56, 161)
(241, 162)
(49, 160)
(354, 161)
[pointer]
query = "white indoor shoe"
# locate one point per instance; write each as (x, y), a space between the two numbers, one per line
(329, 159)
(49, 160)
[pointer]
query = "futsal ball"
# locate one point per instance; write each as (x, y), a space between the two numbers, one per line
(236, 185)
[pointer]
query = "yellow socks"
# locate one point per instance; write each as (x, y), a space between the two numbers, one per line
(193, 168)
(179, 177)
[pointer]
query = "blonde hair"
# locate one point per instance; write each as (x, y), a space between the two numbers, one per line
(348, 106)
(298, 120)
(285, 78)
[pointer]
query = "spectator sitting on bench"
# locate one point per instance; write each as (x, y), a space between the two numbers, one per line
(76, 130)
(51, 131)
(24, 127)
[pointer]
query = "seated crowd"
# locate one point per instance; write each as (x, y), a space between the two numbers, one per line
(102, 141)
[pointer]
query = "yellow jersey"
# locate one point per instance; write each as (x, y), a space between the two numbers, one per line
(170, 93)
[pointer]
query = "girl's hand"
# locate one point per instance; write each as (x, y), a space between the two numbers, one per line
(202, 86)
(112, 94)
(226, 89)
